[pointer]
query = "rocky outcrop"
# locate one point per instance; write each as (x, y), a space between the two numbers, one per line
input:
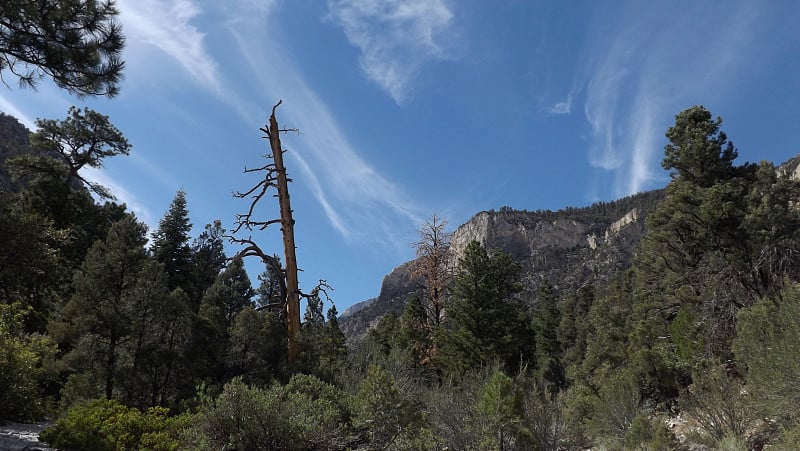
(397, 287)
(570, 248)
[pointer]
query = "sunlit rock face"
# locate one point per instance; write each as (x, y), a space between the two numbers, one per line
(570, 248)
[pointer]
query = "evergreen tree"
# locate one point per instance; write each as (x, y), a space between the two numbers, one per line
(31, 267)
(574, 327)
(332, 348)
(61, 148)
(719, 241)
(171, 243)
(53, 187)
(97, 319)
(271, 289)
(208, 260)
(487, 322)
(767, 346)
(698, 152)
(549, 367)
(230, 294)
(417, 333)
(500, 406)
(159, 332)
(257, 347)
(383, 411)
(77, 43)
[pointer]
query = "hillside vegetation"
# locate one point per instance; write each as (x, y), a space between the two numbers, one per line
(679, 329)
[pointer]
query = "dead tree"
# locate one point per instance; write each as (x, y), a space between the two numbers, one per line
(275, 177)
(433, 266)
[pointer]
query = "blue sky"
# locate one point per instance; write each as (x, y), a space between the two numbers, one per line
(413, 107)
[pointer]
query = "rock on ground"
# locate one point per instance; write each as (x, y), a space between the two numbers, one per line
(22, 437)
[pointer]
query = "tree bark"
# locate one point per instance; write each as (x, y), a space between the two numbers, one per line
(287, 229)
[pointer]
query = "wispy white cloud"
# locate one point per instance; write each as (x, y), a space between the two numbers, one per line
(395, 37)
(563, 107)
(645, 65)
(9, 108)
(359, 202)
(167, 25)
(121, 193)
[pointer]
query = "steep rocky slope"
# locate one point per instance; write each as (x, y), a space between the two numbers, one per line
(569, 248)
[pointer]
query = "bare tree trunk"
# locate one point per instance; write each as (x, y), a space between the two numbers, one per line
(287, 228)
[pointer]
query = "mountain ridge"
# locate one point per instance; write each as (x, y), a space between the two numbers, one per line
(570, 248)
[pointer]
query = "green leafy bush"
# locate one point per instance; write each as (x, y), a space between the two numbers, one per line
(25, 365)
(108, 425)
(307, 413)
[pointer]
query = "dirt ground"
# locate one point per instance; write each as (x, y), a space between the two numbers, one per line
(19, 437)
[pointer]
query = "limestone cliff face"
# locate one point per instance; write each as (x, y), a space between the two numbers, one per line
(519, 233)
(570, 248)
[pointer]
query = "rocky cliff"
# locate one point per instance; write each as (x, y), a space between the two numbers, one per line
(570, 248)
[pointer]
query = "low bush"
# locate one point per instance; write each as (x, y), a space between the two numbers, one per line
(108, 425)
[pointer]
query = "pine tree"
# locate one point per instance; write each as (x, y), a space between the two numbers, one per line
(208, 260)
(549, 353)
(171, 243)
(97, 319)
(77, 43)
(487, 322)
(257, 347)
(332, 350)
(61, 148)
(230, 294)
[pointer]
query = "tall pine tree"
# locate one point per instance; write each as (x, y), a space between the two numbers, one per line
(171, 243)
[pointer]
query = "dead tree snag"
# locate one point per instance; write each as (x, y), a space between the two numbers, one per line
(275, 177)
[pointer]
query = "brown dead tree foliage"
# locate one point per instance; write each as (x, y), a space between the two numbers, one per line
(433, 266)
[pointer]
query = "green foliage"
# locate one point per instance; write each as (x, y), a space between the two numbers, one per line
(304, 414)
(230, 294)
(387, 335)
(97, 319)
(789, 438)
(257, 346)
(271, 291)
(223, 301)
(768, 346)
(486, 322)
(76, 43)
(333, 350)
(648, 433)
(500, 409)
(108, 425)
(545, 424)
(610, 319)
(26, 363)
(546, 321)
(387, 416)
(170, 245)
(574, 327)
(615, 408)
(61, 148)
(719, 404)
(698, 151)
(208, 260)
(30, 259)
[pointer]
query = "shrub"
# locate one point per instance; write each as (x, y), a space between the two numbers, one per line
(25, 365)
(386, 415)
(719, 405)
(108, 425)
(616, 407)
(307, 413)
